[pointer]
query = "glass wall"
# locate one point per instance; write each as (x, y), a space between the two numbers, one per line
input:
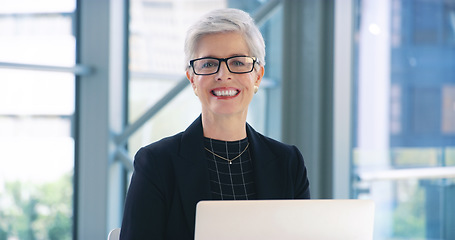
(403, 152)
(157, 34)
(36, 109)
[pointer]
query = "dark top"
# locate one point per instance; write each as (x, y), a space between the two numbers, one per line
(231, 179)
(171, 176)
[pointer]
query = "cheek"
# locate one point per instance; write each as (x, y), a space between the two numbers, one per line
(196, 81)
(250, 80)
(201, 84)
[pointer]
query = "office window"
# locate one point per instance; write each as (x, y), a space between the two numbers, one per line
(404, 139)
(36, 109)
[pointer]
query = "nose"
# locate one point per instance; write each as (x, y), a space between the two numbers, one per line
(223, 73)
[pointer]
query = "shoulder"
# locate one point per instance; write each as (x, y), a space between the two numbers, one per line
(159, 152)
(274, 144)
(166, 144)
(162, 151)
(276, 147)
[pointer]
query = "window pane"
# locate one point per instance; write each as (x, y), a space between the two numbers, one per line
(404, 141)
(36, 93)
(37, 38)
(37, 6)
(36, 109)
(36, 157)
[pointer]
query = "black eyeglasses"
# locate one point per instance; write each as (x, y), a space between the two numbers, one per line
(210, 65)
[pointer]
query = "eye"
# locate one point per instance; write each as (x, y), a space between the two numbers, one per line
(237, 63)
(209, 63)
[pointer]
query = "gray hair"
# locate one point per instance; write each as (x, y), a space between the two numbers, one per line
(226, 20)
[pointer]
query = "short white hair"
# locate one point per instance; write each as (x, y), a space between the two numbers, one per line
(226, 20)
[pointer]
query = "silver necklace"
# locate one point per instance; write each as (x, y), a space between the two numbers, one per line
(227, 159)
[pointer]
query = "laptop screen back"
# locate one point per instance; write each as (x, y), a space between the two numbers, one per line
(285, 219)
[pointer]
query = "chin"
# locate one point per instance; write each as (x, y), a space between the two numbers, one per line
(230, 112)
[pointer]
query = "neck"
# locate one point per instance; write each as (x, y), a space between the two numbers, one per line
(226, 128)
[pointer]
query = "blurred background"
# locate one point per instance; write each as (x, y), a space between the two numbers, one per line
(364, 88)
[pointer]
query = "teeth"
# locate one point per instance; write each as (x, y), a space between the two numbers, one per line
(225, 93)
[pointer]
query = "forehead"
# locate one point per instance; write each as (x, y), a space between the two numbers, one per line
(221, 45)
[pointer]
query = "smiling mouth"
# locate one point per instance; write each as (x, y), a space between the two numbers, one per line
(225, 93)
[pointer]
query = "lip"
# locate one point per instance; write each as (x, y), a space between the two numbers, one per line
(225, 92)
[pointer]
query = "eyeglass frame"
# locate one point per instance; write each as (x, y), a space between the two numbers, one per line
(219, 64)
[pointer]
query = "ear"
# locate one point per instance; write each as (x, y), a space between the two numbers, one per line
(190, 78)
(260, 74)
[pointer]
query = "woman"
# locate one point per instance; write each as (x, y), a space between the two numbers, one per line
(219, 156)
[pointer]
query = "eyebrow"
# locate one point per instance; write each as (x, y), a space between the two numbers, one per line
(232, 55)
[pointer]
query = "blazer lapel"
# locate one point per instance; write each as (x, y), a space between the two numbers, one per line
(192, 171)
(269, 174)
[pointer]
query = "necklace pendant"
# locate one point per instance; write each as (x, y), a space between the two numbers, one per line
(230, 162)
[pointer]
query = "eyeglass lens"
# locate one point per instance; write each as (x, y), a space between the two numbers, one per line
(234, 64)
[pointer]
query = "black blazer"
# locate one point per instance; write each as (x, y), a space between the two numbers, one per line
(171, 176)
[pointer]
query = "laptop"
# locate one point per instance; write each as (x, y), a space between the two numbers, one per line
(285, 220)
